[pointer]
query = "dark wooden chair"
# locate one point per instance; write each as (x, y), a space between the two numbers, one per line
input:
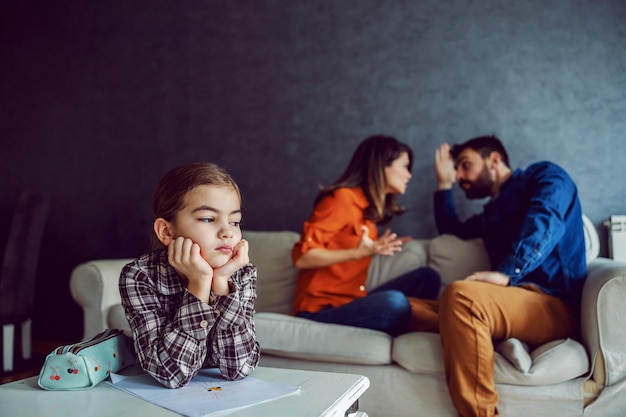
(18, 273)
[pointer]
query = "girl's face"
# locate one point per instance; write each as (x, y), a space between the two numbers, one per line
(210, 217)
(397, 175)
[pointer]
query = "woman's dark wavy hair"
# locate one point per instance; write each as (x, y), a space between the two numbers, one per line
(367, 170)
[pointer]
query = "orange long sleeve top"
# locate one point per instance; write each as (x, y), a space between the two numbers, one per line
(334, 224)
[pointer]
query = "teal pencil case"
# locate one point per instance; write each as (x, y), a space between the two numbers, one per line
(85, 364)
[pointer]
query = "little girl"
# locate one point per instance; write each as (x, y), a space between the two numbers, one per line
(190, 303)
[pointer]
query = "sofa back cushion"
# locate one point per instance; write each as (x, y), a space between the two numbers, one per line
(270, 252)
(414, 254)
(455, 258)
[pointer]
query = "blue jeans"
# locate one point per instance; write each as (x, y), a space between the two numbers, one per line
(385, 308)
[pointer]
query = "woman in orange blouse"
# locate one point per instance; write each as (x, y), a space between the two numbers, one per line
(341, 235)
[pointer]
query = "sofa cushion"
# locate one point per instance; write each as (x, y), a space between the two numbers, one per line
(384, 268)
(299, 338)
(455, 258)
(592, 240)
(516, 352)
(551, 363)
(418, 352)
(554, 362)
(270, 252)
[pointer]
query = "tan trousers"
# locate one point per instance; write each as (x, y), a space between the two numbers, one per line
(472, 315)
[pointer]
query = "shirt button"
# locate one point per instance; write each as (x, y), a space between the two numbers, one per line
(204, 324)
(362, 288)
(217, 312)
(517, 270)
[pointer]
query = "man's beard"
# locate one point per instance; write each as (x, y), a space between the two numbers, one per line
(479, 188)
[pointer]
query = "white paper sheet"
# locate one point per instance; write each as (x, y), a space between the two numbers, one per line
(208, 394)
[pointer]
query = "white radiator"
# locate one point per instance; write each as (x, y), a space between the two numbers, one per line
(617, 237)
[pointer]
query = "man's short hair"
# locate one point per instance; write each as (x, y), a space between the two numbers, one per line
(484, 145)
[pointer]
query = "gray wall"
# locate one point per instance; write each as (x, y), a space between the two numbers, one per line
(100, 98)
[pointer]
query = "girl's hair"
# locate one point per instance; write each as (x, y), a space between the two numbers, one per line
(170, 192)
(367, 170)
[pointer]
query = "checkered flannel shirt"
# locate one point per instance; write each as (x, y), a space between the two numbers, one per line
(175, 334)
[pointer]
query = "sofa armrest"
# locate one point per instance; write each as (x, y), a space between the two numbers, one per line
(603, 318)
(94, 286)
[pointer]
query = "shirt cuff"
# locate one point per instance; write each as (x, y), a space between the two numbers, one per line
(195, 317)
(513, 268)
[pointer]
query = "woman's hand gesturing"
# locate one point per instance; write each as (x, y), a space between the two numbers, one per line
(388, 244)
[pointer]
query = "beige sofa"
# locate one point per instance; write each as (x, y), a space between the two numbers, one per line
(562, 378)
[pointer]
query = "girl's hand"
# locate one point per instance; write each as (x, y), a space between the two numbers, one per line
(184, 255)
(239, 259)
(444, 167)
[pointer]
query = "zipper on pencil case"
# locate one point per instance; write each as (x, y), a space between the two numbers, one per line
(106, 335)
(77, 347)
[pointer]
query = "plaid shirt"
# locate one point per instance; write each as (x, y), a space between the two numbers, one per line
(175, 334)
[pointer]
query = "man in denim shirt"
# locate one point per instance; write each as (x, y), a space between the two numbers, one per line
(533, 232)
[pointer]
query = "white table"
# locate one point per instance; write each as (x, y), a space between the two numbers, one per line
(322, 394)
